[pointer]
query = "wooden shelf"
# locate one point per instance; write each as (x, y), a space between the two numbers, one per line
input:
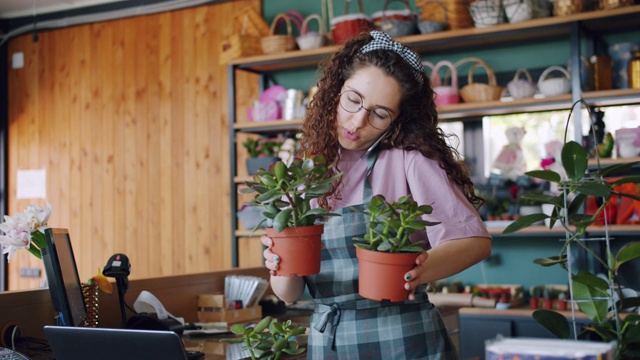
(268, 126)
(532, 30)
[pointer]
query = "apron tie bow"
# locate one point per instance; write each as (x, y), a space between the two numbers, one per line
(330, 316)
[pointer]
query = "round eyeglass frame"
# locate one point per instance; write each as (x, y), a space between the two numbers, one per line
(362, 107)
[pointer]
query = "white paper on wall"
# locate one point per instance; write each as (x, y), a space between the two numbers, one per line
(32, 184)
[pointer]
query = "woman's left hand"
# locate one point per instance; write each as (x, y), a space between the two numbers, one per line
(412, 278)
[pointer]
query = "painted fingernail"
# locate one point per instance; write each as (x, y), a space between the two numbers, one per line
(407, 277)
(407, 287)
(276, 259)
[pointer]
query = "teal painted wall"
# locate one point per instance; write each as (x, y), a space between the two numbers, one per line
(512, 259)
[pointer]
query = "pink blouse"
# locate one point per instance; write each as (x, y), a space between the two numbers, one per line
(398, 173)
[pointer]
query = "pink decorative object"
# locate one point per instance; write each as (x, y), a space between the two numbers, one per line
(445, 95)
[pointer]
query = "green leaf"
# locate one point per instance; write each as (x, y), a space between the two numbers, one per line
(523, 222)
(280, 345)
(386, 245)
(618, 168)
(592, 280)
(552, 260)
(596, 189)
(628, 252)
(547, 175)
(263, 324)
(281, 220)
(574, 160)
(237, 329)
(556, 323)
(595, 309)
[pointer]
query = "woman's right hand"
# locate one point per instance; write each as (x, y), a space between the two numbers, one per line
(271, 260)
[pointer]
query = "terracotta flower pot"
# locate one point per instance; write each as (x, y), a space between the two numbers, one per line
(381, 274)
(299, 248)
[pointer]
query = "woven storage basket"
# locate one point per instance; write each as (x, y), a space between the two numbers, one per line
(275, 43)
(248, 28)
(522, 88)
(567, 7)
(433, 22)
(557, 85)
(444, 94)
(348, 25)
(522, 10)
(477, 92)
(311, 39)
(612, 4)
(486, 13)
(458, 16)
(403, 26)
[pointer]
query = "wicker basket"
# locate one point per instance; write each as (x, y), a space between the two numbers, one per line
(567, 7)
(275, 43)
(487, 13)
(613, 4)
(311, 39)
(522, 88)
(557, 85)
(477, 92)
(522, 10)
(444, 94)
(401, 26)
(248, 28)
(458, 16)
(348, 25)
(432, 23)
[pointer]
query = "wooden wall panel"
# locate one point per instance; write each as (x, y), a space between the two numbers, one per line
(129, 118)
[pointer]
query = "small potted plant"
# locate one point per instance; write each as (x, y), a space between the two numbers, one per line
(285, 192)
(385, 253)
(262, 153)
(268, 339)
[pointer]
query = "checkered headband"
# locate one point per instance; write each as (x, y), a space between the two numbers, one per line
(382, 41)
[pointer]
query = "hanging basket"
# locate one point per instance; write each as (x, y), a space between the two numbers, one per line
(522, 88)
(477, 92)
(275, 43)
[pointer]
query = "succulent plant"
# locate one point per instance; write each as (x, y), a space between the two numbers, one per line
(268, 339)
(391, 223)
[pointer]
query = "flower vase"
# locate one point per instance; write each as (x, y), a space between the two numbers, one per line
(90, 294)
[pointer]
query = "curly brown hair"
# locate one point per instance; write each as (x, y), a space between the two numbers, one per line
(416, 128)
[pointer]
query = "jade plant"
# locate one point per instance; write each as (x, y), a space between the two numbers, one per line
(390, 224)
(268, 339)
(601, 299)
(285, 191)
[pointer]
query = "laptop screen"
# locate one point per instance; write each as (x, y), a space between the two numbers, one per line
(62, 275)
(73, 343)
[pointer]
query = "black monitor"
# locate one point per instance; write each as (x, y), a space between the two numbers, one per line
(62, 275)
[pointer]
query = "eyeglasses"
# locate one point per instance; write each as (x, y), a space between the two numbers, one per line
(379, 118)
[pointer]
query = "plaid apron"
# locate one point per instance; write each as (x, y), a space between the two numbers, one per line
(345, 325)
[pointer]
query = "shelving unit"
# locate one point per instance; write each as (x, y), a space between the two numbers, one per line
(575, 28)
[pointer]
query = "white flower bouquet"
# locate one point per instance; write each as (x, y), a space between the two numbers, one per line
(25, 231)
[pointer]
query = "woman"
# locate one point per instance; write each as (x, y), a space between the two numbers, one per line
(374, 118)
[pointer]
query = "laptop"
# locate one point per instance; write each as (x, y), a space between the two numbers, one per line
(81, 343)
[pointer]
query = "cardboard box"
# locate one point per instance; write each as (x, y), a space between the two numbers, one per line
(213, 308)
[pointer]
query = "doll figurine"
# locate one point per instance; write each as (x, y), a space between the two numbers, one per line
(510, 161)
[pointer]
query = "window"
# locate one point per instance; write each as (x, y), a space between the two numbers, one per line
(543, 127)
